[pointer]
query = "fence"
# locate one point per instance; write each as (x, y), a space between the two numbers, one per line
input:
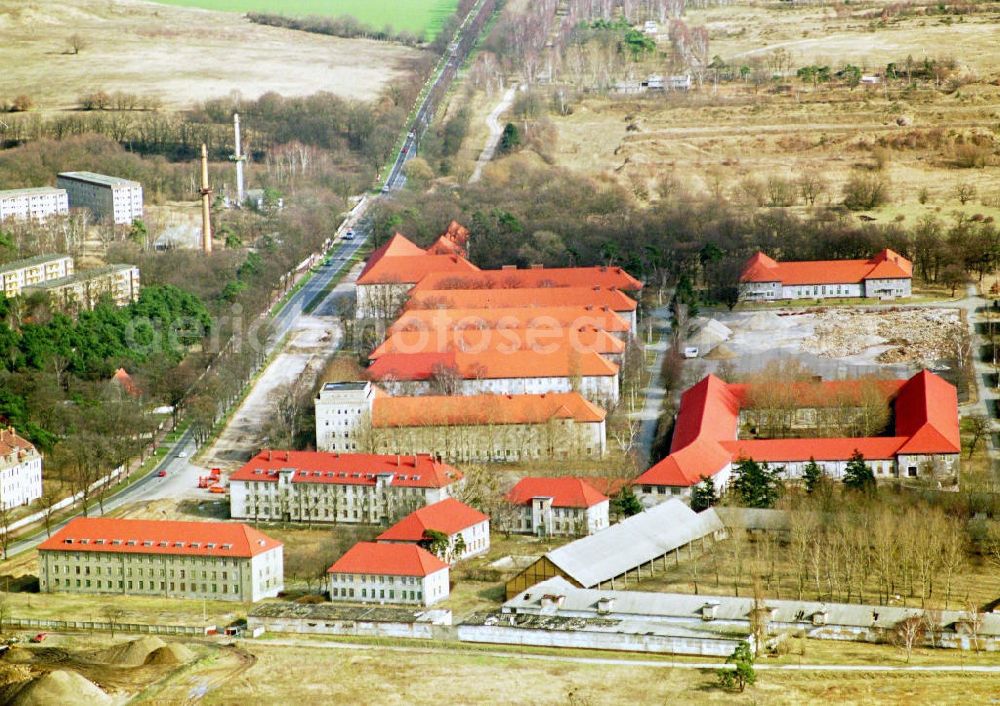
(91, 625)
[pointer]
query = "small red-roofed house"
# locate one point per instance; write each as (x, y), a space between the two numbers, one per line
(126, 383)
(559, 506)
(887, 275)
(467, 529)
(373, 572)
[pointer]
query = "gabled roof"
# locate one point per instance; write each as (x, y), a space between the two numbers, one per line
(414, 471)
(387, 560)
(704, 442)
(534, 277)
(474, 410)
(445, 246)
(522, 317)
(11, 441)
(564, 491)
(449, 516)
(491, 365)
(122, 378)
(103, 534)
(611, 298)
(411, 268)
(887, 264)
(583, 338)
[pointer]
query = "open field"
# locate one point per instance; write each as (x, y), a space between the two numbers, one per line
(361, 676)
(178, 55)
(417, 16)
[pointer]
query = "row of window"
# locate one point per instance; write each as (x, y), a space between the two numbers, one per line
(117, 571)
(142, 585)
(375, 578)
(383, 594)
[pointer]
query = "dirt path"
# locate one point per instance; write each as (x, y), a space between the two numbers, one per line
(493, 141)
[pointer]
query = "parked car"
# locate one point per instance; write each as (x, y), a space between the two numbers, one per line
(691, 352)
(161, 474)
(40, 637)
(349, 234)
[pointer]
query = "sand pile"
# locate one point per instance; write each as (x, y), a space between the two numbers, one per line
(763, 321)
(171, 653)
(721, 352)
(63, 688)
(131, 654)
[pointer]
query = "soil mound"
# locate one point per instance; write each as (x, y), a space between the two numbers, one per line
(63, 688)
(171, 653)
(131, 654)
(721, 352)
(763, 321)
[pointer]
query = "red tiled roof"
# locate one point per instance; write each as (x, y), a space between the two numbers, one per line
(102, 534)
(449, 516)
(704, 442)
(445, 246)
(510, 278)
(396, 246)
(420, 471)
(824, 393)
(611, 298)
(491, 365)
(471, 410)
(387, 560)
(583, 338)
(523, 317)
(564, 491)
(887, 264)
(408, 269)
(11, 441)
(121, 377)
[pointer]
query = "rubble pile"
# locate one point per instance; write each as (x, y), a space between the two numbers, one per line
(918, 336)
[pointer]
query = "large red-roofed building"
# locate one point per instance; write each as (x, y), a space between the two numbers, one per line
(467, 529)
(887, 275)
(373, 572)
(562, 506)
(925, 441)
(318, 486)
(209, 560)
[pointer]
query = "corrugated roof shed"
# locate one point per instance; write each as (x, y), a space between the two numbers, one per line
(633, 542)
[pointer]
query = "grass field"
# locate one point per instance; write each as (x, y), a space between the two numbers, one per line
(178, 55)
(418, 16)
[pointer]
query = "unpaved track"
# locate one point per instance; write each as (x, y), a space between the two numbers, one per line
(493, 141)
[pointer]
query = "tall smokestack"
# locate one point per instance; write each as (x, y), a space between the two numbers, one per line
(206, 205)
(238, 158)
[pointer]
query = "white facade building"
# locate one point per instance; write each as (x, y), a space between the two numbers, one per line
(19, 274)
(107, 197)
(313, 486)
(36, 203)
(563, 506)
(20, 470)
(467, 529)
(373, 572)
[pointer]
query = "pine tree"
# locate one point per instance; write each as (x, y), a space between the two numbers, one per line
(743, 672)
(626, 503)
(756, 484)
(858, 475)
(703, 495)
(812, 475)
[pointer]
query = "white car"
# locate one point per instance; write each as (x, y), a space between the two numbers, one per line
(182, 454)
(691, 352)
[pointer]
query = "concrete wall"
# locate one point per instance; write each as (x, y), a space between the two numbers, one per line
(309, 626)
(706, 646)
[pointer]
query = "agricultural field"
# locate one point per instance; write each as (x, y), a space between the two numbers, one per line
(422, 17)
(177, 56)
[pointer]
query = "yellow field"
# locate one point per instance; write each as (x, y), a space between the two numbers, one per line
(179, 55)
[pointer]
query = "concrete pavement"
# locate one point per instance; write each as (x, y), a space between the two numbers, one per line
(649, 415)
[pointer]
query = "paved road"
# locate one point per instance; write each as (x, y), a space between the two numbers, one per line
(649, 415)
(493, 141)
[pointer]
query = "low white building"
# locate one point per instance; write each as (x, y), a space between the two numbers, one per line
(559, 506)
(35, 203)
(886, 275)
(19, 274)
(20, 470)
(314, 486)
(86, 288)
(371, 572)
(467, 529)
(106, 197)
(208, 560)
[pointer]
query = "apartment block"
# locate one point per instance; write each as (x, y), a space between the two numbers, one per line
(35, 203)
(312, 486)
(203, 560)
(17, 275)
(20, 470)
(84, 289)
(108, 198)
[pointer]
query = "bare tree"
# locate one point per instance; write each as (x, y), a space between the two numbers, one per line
(113, 613)
(76, 43)
(908, 633)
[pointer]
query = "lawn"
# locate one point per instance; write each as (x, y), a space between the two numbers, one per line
(417, 16)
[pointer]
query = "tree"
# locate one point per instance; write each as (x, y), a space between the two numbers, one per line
(76, 43)
(113, 614)
(742, 673)
(908, 633)
(626, 503)
(953, 277)
(979, 427)
(703, 495)
(510, 139)
(812, 475)
(864, 191)
(756, 484)
(436, 543)
(858, 475)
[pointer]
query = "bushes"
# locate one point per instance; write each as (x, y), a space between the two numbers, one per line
(864, 191)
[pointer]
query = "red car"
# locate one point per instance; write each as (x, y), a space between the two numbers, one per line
(161, 474)
(39, 637)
